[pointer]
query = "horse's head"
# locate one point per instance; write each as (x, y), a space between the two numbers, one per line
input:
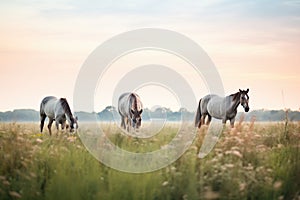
(244, 99)
(73, 124)
(136, 118)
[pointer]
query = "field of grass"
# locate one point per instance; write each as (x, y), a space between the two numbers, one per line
(252, 161)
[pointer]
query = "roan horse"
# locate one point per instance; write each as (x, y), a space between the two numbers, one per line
(130, 108)
(57, 110)
(224, 108)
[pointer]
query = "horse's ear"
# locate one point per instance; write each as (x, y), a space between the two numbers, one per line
(240, 90)
(132, 111)
(140, 112)
(247, 90)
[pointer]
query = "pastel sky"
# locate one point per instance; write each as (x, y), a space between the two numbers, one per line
(254, 44)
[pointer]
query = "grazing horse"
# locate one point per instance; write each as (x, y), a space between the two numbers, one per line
(130, 108)
(224, 108)
(57, 110)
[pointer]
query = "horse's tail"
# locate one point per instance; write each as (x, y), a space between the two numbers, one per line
(42, 106)
(198, 115)
(42, 109)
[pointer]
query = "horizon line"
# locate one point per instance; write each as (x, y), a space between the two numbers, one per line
(259, 109)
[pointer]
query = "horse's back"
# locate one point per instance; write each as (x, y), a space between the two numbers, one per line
(207, 98)
(47, 99)
(44, 102)
(122, 97)
(215, 99)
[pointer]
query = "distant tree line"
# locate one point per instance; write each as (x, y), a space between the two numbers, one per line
(25, 115)
(110, 113)
(271, 115)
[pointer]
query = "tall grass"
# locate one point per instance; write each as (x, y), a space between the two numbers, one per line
(251, 161)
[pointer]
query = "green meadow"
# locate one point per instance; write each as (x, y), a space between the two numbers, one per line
(251, 161)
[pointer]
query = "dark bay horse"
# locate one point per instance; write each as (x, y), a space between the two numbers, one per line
(130, 108)
(57, 110)
(224, 108)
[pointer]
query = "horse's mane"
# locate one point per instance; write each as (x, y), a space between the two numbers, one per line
(66, 107)
(133, 100)
(235, 96)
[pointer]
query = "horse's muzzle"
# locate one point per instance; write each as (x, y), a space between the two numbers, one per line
(247, 109)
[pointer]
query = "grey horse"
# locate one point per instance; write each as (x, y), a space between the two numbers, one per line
(224, 108)
(130, 108)
(57, 110)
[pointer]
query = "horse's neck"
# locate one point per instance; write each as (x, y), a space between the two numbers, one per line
(67, 110)
(139, 103)
(234, 103)
(69, 117)
(136, 103)
(133, 102)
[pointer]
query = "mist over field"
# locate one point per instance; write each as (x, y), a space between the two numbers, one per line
(110, 114)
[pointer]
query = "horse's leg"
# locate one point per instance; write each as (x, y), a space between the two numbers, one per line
(57, 126)
(199, 123)
(224, 121)
(203, 118)
(63, 124)
(128, 124)
(232, 122)
(208, 120)
(123, 123)
(43, 117)
(49, 126)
